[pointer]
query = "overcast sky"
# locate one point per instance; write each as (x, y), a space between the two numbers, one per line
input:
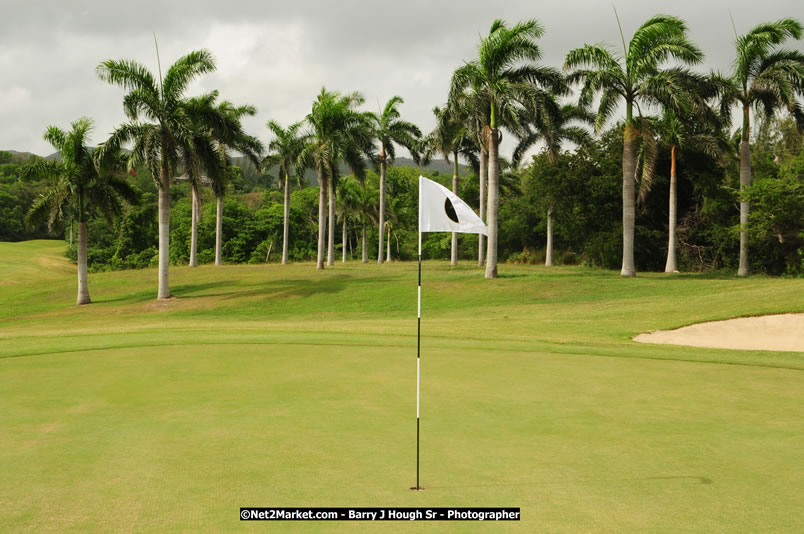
(278, 55)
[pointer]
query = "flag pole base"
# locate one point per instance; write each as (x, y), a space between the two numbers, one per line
(417, 488)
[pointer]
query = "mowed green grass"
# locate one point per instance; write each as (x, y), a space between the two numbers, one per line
(282, 386)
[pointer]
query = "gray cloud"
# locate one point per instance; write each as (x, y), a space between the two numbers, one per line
(278, 55)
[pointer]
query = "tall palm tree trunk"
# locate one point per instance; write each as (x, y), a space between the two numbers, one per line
(164, 235)
(344, 238)
(285, 219)
(484, 169)
(194, 230)
(745, 183)
(454, 248)
(671, 266)
(322, 218)
(83, 286)
(382, 203)
(494, 202)
(629, 199)
(388, 245)
(71, 234)
(548, 256)
(365, 245)
(218, 229)
(331, 233)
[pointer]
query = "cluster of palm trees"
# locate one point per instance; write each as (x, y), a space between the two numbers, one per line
(503, 88)
(506, 88)
(169, 132)
(763, 77)
(336, 132)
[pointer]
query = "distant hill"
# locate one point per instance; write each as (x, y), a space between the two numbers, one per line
(17, 155)
(25, 155)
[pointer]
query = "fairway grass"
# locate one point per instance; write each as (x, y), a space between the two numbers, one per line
(269, 385)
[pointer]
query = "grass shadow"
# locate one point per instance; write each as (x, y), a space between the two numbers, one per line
(288, 287)
(694, 276)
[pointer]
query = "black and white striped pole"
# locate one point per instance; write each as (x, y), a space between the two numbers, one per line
(419, 346)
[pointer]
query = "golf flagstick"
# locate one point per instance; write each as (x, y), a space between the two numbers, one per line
(440, 210)
(419, 342)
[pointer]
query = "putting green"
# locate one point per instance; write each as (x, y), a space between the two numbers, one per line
(281, 386)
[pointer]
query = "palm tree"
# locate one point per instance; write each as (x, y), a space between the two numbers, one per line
(368, 212)
(226, 130)
(478, 117)
(553, 125)
(284, 151)
(476, 108)
(196, 179)
(452, 136)
(389, 130)
(767, 78)
(679, 131)
(81, 183)
(635, 77)
(361, 149)
(503, 74)
(395, 211)
(338, 132)
(348, 205)
(195, 218)
(170, 135)
(482, 176)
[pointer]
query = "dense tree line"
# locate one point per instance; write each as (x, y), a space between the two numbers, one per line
(582, 187)
(16, 198)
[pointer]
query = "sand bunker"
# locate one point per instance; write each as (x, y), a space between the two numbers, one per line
(769, 332)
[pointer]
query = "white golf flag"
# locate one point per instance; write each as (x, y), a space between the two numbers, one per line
(440, 210)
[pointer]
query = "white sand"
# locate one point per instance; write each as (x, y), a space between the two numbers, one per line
(769, 332)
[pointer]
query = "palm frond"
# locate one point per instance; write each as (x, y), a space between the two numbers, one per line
(758, 43)
(141, 101)
(56, 137)
(184, 71)
(40, 169)
(128, 74)
(660, 38)
(598, 57)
